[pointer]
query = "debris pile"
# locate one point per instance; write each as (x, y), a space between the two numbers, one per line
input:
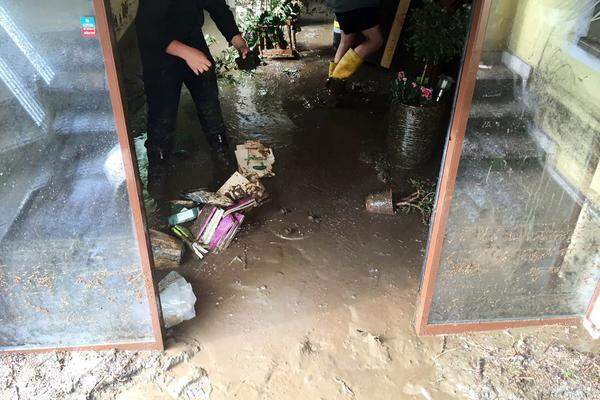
(167, 251)
(209, 221)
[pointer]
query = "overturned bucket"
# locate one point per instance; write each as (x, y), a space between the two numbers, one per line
(380, 203)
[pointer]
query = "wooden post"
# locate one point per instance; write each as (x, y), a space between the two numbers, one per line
(288, 25)
(395, 31)
(294, 42)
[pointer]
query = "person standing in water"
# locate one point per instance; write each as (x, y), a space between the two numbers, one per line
(175, 53)
(354, 16)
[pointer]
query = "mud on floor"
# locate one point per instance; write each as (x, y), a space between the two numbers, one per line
(519, 364)
(329, 314)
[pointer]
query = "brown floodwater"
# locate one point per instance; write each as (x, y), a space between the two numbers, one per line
(316, 295)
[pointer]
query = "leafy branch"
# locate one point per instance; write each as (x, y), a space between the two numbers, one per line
(422, 199)
(264, 23)
(224, 62)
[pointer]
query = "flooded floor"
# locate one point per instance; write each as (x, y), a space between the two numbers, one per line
(316, 298)
(312, 293)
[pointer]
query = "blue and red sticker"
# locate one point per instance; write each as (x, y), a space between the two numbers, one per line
(88, 27)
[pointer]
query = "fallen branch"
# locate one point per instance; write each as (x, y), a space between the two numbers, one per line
(422, 199)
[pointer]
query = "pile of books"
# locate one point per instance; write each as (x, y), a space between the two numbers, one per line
(215, 228)
(208, 222)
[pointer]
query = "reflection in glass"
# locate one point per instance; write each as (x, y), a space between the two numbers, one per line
(70, 270)
(23, 43)
(523, 236)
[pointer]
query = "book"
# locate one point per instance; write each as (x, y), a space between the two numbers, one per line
(239, 187)
(232, 233)
(185, 215)
(202, 196)
(242, 205)
(226, 232)
(255, 161)
(210, 229)
(225, 225)
(204, 217)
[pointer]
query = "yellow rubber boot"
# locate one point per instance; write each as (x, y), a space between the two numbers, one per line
(332, 66)
(348, 65)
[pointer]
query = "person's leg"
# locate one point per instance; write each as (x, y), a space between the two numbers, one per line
(366, 21)
(205, 93)
(163, 90)
(345, 44)
(373, 42)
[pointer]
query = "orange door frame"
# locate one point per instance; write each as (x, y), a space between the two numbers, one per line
(108, 43)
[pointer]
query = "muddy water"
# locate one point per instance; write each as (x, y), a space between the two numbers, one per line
(336, 144)
(315, 298)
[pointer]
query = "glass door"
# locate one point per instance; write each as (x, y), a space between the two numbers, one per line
(515, 238)
(74, 258)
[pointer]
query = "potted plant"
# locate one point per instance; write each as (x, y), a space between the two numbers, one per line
(418, 107)
(271, 26)
(436, 35)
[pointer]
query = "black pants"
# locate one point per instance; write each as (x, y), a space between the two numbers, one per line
(163, 91)
(358, 20)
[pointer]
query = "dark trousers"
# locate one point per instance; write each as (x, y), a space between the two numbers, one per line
(163, 91)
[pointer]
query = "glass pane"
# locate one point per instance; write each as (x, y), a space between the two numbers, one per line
(523, 238)
(70, 271)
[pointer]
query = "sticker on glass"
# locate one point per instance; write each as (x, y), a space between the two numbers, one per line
(88, 27)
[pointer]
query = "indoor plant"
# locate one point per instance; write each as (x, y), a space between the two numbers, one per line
(416, 120)
(418, 108)
(265, 24)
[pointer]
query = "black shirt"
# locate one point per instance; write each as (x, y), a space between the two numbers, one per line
(159, 22)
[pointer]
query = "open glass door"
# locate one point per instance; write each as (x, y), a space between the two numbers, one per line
(75, 269)
(515, 239)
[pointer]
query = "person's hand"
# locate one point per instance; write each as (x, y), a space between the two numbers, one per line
(197, 61)
(240, 45)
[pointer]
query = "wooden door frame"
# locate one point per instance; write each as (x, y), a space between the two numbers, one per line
(108, 43)
(446, 186)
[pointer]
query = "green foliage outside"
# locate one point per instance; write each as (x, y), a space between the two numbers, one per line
(436, 33)
(268, 22)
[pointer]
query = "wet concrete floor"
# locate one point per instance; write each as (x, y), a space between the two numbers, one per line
(313, 279)
(316, 297)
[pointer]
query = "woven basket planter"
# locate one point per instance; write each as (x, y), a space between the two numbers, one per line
(414, 132)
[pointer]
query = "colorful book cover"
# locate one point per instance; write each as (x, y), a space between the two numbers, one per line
(209, 231)
(232, 233)
(203, 220)
(222, 230)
